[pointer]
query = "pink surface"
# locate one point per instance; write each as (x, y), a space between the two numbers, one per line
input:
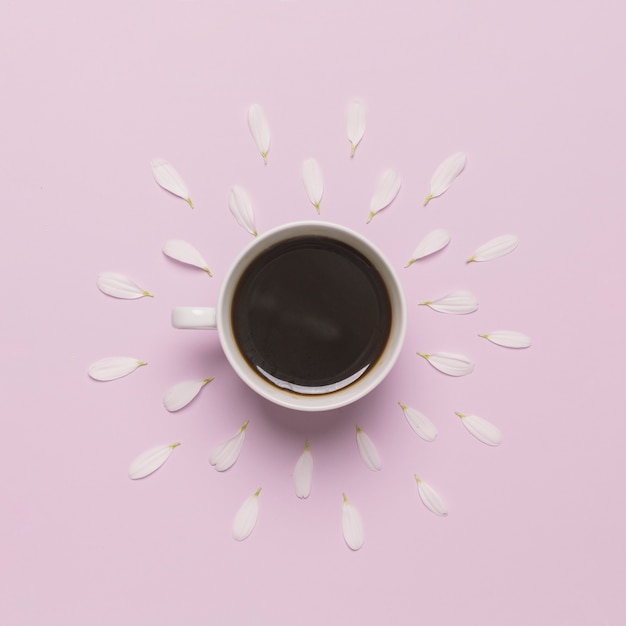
(533, 92)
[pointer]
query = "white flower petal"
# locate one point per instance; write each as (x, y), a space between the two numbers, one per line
(508, 338)
(431, 499)
(450, 364)
(114, 367)
(419, 423)
(495, 248)
(181, 394)
(481, 429)
(241, 207)
(226, 454)
(356, 124)
(260, 130)
(150, 461)
(455, 303)
(444, 175)
(246, 517)
(352, 525)
(386, 190)
(303, 472)
(367, 450)
(313, 182)
(170, 179)
(120, 286)
(184, 252)
(432, 242)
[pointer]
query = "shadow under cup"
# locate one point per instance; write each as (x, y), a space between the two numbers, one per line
(311, 316)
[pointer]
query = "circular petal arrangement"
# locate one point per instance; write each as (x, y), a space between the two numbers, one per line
(225, 454)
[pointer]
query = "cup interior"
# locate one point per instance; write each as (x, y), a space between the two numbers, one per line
(286, 397)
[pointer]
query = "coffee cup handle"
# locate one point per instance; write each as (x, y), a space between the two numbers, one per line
(194, 317)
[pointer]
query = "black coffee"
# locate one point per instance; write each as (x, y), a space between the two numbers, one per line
(311, 315)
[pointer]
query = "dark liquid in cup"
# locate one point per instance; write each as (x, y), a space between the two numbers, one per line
(311, 315)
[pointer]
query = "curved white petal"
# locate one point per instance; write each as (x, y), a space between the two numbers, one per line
(495, 248)
(150, 461)
(246, 517)
(444, 175)
(450, 364)
(313, 182)
(241, 208)
(386, 190)
(303, 472)
(431, 499)
(260, 130)
(184, 252)
(367, 450)
(508, 338)
(432, 242)
(120, 286)
(356, 124)
(226, 454)
(181, 394)
(352, 525)
(168, 178)
(455, 303)
(481, 429)
(419, 423)
(114, 367)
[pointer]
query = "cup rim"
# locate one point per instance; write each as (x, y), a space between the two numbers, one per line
(285, 397)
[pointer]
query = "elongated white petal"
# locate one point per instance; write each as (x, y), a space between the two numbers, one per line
(114, 367)
(495, 248)
(432, 242)
(450, 364)
(352, 525)
(508, 338)
(241, 207)
(455, 303)
(170, 179)
(226, 454)
(419, 423)
(313, 182)
(444, 175)
(150, 461)
(181, 394)
(184, 252)
(356, 124)
(386, 190)
(303, 472)
(260, 130)
(481, 429)
(120, 286)
(431, 499)
(246, 517)
(367, 450)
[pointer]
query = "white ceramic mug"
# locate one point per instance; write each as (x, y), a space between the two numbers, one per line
(220, 318)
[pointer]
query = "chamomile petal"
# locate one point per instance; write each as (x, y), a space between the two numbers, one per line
(181, 394)
(246, 517)
(120, 286)
(303, 472)
(367, 450)
(448, 363)
(168, 178)
(483, 430)
(111, 368)
(352, 525)
(150, 461)
(225, 455)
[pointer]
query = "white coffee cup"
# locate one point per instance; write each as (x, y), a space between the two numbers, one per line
(220, 318)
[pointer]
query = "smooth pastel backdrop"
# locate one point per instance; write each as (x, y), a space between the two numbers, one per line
(533, 92)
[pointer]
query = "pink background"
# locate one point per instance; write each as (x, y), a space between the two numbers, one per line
(533, 92)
